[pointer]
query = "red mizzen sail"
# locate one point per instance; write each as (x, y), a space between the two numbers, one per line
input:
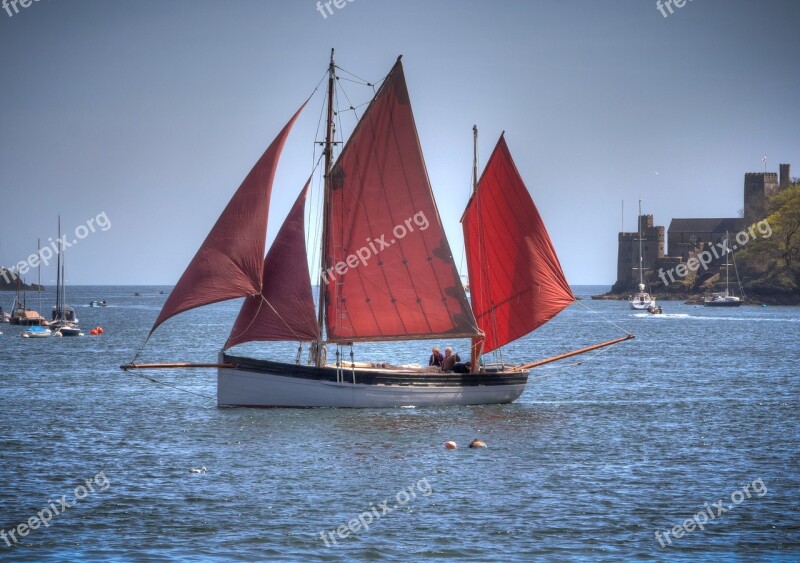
(229, 263)
(516, 282)
(285, 308)
(391, 273)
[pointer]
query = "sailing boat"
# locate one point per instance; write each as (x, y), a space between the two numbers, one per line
(387, 274)
(38, 331)
(65, 322)
(21, 315)
(724, 299)
(641, 300)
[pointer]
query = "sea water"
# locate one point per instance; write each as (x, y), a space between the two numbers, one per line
(617, 454)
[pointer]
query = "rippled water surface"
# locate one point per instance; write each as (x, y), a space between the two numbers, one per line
(600, 452)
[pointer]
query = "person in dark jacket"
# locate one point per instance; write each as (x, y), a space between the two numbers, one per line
(436, 358)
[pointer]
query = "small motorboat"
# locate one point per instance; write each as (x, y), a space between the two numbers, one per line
(654, 309)
(37, 332)
(67, 330)
(98, 303)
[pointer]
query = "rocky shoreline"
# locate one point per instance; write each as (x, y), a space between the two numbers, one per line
(752, 297)
(8, 282)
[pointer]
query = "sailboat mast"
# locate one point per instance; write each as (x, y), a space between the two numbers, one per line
(474, 158)
(476, 350)
(727, 267)
(58, 274)
(639, 219)
(326, 210)
(39, 275)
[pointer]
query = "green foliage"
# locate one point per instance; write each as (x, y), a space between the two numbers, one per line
(777, 256)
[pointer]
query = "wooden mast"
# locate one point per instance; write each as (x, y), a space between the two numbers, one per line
(58, 275)
(319, 359)
(477, 342)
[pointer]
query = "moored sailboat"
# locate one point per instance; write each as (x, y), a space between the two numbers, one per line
(724, 298)
(642, 299)
(42, 330)
(387, 274)
(64, 322)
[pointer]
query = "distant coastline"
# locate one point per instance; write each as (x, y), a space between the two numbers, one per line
(8, 282)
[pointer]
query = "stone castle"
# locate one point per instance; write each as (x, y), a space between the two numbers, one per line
(687, 236)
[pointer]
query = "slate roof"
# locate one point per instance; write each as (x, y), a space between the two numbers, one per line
(706, 225)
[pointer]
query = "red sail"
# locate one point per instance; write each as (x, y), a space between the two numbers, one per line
(516, 282)
(229, 262)
(391, 274)
(285, 308)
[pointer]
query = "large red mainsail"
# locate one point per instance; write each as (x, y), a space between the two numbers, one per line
(285, 308)
(516, 281)
(229, 262)
(391, 273)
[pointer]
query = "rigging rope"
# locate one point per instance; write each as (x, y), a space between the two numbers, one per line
(141, 374)
(602, 317)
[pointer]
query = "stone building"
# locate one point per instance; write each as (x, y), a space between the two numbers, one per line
(687, 236)
(628, 256)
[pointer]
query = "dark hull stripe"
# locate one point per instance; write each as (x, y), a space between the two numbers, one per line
(378, 377)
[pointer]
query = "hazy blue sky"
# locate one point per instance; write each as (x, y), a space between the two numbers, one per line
(153, 112)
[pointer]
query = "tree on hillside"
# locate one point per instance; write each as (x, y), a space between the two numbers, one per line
(780, 252)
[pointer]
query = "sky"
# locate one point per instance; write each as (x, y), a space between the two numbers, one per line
(135, 121)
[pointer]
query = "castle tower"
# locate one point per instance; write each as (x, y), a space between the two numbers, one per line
(628, 254)
(758, 188)
(785, 176)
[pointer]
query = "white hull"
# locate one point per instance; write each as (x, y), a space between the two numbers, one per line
(29, 334)
(243, 387)
(642, 301)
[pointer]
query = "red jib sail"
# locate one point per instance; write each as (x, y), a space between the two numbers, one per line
(516, 282)
(391, 274)
(285, 308)
(229, 263)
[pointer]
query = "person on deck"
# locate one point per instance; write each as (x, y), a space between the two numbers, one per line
(436, 357)
(450, 359)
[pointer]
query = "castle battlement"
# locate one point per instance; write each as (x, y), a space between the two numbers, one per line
(688, 235)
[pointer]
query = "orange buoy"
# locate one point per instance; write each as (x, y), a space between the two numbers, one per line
(93, 332)
(477, 444)
(450, 445)
(99, 330)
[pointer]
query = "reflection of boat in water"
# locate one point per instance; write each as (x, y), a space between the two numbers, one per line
(387, 274)
(98, 303)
